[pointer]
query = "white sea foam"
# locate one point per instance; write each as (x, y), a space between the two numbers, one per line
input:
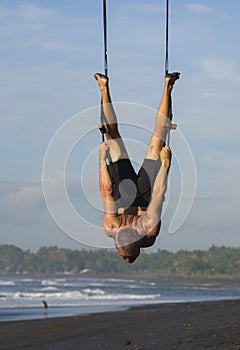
(93, 291)
(49, 282)
(125, 297)
(115, 280)
(87, 294)
(7, 283)
(63, 283)
(97, 284)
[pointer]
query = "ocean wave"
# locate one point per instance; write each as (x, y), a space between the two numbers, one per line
(48, 282)
(87, 294)
(7, 283)
(125, 297)
(96, 284)
(93, 291)
(121, 280)
(63, 283)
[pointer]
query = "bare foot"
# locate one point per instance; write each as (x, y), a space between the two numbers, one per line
(171, 78)
(102, 80)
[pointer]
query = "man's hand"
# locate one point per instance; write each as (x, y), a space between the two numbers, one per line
(165, 156)
(103, 151)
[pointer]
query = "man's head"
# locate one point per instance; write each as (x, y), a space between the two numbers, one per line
(126, 242)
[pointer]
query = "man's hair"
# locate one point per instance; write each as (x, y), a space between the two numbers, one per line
(127, 239)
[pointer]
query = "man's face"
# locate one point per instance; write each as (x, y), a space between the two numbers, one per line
(128, 257)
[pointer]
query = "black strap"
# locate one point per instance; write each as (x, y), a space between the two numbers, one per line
(105, 36)
(167, 30)
(105, 61)
(170, 115)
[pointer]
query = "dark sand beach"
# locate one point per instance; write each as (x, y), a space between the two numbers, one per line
(201, 325)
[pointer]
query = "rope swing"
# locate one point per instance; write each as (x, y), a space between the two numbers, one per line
(105, 58)
(170, 115)
(166, 38)
(105, 36)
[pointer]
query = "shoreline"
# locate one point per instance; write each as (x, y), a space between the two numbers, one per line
(38, 313)
(218, 281)
(187, 325)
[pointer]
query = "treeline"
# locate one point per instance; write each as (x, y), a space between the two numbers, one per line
(214, 262)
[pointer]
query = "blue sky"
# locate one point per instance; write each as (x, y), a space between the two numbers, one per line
(49, 51)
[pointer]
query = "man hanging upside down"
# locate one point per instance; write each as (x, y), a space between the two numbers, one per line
(133, 202)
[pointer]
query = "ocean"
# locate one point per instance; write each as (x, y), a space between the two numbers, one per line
(22, 297)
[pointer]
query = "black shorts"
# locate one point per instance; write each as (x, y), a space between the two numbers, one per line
(129, 188)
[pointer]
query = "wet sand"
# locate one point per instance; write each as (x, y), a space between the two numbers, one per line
(198, 326)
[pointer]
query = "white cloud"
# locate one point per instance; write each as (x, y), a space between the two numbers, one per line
(24, 19)
(218, 69)
(21, 202)
(223, 161)
(54, 45)
(197, 8)
(4, 12)
(210, 222)
(143, 8)
(25, 11)
(33, 13)
(23, 212)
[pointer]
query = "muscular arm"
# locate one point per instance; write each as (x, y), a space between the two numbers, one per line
(109, 206)
(152, 217)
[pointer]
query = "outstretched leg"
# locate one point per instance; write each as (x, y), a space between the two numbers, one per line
(162, 122)
(115, 143)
